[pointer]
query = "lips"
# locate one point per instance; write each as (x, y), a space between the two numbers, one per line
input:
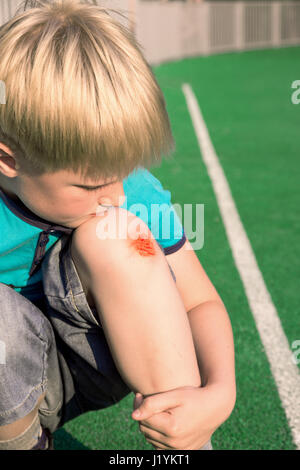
(101, 210)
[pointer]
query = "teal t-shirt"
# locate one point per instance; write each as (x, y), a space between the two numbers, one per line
(25, 237)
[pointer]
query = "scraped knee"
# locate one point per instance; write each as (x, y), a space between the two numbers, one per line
(117, 234)
(121, 225)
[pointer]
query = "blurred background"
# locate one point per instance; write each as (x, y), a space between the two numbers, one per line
(174, 29)
(230, 74)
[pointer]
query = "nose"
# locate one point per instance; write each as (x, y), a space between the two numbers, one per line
(116, 197)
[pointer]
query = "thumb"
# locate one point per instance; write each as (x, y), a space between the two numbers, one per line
(157, 403)
(138, 400)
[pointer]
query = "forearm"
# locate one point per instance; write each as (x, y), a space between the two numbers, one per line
(214, 345)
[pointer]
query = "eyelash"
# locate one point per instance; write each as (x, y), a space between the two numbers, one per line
(95, 189)
(92, 189)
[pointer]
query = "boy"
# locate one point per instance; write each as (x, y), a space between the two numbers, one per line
(86, 318)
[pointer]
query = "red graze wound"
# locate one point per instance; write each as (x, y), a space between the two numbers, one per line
(144, 246)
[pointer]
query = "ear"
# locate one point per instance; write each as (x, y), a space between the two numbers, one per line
(8, 163)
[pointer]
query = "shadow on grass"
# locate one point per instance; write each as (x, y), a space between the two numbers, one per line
(65, 441)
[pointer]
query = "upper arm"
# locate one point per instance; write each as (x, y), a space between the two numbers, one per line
(192, 281)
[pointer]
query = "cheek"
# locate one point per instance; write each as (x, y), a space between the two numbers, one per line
(74, 206)
(52, 202)
(64, 206)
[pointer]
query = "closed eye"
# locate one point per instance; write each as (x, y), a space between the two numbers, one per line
(94, 188)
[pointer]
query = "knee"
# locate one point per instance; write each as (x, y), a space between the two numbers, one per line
(114, 239)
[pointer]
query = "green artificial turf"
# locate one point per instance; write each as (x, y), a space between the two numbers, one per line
(245, 99)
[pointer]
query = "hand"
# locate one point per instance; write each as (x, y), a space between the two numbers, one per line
(184, 418)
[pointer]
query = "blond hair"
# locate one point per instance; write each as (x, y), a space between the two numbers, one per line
(79, 93)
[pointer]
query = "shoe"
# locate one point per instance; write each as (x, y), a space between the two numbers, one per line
(45, 442)
(50, 440)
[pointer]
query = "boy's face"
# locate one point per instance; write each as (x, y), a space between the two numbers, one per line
(55, 197)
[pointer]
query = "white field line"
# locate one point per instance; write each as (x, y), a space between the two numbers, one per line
(279, 354)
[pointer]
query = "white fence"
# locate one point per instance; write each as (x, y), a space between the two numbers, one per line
(171, 31)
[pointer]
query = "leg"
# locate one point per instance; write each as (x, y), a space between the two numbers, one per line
(28, 339)
(139, 307)
(10, 431)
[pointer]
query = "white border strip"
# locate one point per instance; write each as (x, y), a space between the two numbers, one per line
(284, 370)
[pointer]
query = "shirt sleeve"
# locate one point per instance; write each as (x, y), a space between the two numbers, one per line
(147, 199)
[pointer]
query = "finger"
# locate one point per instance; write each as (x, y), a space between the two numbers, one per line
(158, 403)
(145, 427)
(138, 400)
(162, 423)
(156, 436)
(159, 445)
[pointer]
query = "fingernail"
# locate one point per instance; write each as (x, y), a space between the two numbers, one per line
(136, 413)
